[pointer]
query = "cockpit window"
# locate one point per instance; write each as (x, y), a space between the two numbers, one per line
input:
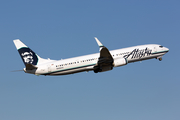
(161, 46)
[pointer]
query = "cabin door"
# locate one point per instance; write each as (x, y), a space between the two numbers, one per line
(49, 68)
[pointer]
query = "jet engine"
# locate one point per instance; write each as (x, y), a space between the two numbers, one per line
(117, 62)
(120, 62)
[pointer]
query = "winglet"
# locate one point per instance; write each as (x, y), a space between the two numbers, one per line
(98, 42)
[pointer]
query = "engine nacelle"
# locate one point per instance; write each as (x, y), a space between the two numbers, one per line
(117, 62)
(120, 62)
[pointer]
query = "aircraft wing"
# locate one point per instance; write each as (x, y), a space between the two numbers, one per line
(105, 59)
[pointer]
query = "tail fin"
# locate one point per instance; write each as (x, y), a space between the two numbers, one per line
(28, 56)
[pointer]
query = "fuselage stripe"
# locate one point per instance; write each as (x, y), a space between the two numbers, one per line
(69, 69)
(159, 52)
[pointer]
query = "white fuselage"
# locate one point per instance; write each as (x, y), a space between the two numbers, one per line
(87, 62)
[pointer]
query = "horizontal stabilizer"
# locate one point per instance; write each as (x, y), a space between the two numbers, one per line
(30, 66)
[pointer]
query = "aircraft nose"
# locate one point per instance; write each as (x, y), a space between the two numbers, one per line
(166, 49)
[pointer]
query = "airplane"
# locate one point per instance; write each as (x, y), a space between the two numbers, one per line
(103, 61)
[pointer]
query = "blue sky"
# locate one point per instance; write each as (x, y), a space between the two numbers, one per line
(62, 29)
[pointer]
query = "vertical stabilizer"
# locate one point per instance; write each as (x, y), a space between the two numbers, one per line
(28, 56)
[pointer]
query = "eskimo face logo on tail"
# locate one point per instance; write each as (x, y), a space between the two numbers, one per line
(136, 53)
(28, 56)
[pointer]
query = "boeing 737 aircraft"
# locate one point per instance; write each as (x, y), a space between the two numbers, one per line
(105, 60)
